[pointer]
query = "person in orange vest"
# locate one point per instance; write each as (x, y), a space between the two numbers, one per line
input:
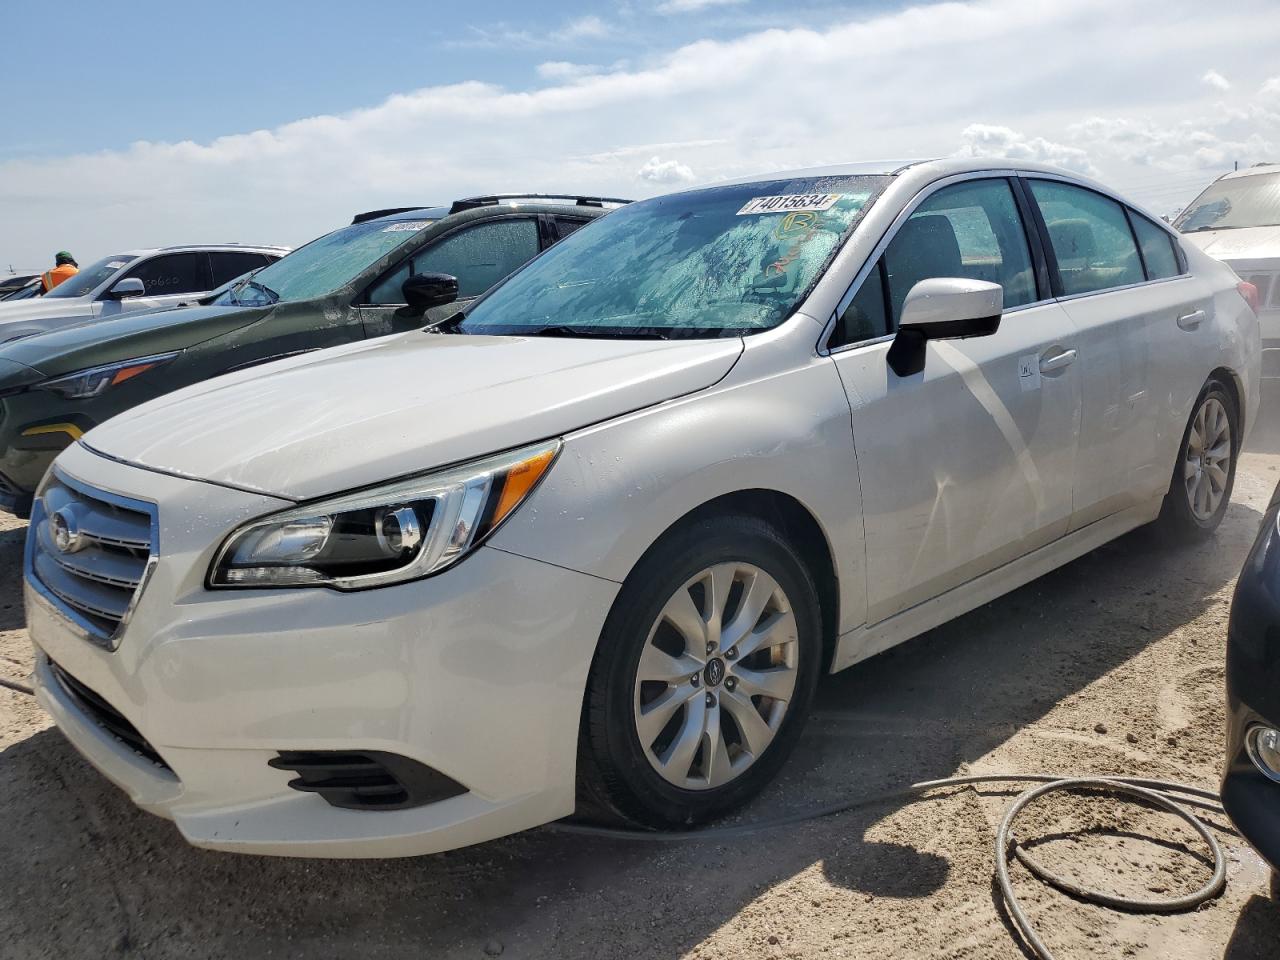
(65, 268)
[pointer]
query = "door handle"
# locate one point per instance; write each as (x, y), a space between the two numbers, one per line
(1057, 361)
(1192, 321)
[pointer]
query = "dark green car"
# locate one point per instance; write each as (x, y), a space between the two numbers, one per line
(388, 272)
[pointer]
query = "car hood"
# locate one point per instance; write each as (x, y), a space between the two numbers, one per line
(139, 334)
(360, 414)
(38, 308)
(1246, 243)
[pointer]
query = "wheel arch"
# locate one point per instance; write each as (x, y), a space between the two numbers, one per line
(799, 526)
(1233, 382)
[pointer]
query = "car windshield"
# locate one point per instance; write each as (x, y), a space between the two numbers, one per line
(1252, 201)
(712, 262)
(324, 264)
(84, 282)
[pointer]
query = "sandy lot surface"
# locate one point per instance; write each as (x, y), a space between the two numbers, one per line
(1110, 665)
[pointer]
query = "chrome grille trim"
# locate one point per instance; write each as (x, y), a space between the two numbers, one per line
(96, 587)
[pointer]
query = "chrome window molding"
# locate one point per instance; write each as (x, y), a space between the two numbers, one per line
(993, 174)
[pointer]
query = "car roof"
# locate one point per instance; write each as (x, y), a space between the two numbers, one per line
(557, 203)
(213, 247)
(1255, 170)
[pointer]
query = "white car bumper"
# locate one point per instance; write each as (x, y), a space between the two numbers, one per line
(477, 673)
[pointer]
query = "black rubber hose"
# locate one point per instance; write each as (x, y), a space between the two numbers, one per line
(1171, 797)
(19, 687)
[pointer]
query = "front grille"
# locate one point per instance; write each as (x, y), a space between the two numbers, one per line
(106, 716)
(366, 780)
(97, 575)
(1268, 285)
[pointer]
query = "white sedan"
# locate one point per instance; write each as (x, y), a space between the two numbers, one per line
(592, 542)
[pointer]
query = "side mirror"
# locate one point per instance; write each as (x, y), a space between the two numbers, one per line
(127, 288)
(422, 291)
(943, 308)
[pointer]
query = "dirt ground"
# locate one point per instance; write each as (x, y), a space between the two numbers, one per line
(1113, 664)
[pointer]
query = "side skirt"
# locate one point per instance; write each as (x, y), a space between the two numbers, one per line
(867, 641)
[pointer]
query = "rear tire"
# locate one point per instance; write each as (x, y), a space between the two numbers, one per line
(704, 675)
(1205, 471)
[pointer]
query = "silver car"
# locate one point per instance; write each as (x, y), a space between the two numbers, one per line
(1237, 220)
(594, 541)
(134, 280)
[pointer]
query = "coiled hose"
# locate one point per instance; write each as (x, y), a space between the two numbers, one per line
(1170, 797)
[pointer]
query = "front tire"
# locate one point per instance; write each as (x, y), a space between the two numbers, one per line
(704, 675)
(1205, 472)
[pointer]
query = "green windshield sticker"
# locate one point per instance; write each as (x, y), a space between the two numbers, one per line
(792, 203)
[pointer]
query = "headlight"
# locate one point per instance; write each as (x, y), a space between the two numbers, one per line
(402, 531)
(96, 380)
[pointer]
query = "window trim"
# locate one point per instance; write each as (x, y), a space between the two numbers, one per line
(1129, 211)
(1040, 247)
(824, 338)
(361, 299)
(204, 273)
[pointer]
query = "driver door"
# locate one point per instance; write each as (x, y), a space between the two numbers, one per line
(967, 465)
(478, 254)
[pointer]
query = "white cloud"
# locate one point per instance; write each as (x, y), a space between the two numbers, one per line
(590, 27)
(985, 140)
(1213, 78)
(1071, 86)
(564, 70)
(693, 6)
(657, 170)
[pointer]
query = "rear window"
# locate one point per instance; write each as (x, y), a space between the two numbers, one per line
(1157, 248)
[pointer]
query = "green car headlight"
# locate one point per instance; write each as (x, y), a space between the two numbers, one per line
(97, 380)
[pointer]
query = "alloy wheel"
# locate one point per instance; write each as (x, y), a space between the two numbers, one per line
(716, 675)
(1207, 459)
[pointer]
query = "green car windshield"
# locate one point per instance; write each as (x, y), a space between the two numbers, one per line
(712, 262)
(324, 264)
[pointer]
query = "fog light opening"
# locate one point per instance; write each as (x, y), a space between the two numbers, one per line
(1263, 745)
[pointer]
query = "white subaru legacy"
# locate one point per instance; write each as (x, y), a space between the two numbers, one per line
(591, 543)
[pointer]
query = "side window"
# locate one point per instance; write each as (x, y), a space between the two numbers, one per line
(172, 273)
(566, 226)
(481, 255)
(972, 229)
(866, 317)
(386, 292)
(1090, 235)
(227, 265)
(1157, 248)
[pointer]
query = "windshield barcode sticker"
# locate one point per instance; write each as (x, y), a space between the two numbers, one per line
(406, 226)
(792, 203)
(116, 264)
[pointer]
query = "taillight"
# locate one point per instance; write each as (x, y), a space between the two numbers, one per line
(1250, 294)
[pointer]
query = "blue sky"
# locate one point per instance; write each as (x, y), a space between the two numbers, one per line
(174, 70)
(146, 123)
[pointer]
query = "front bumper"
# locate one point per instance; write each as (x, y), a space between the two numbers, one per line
(478, 673)
(1251, 799)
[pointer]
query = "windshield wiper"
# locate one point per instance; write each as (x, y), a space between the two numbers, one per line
(250, 282)
(609, 333)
